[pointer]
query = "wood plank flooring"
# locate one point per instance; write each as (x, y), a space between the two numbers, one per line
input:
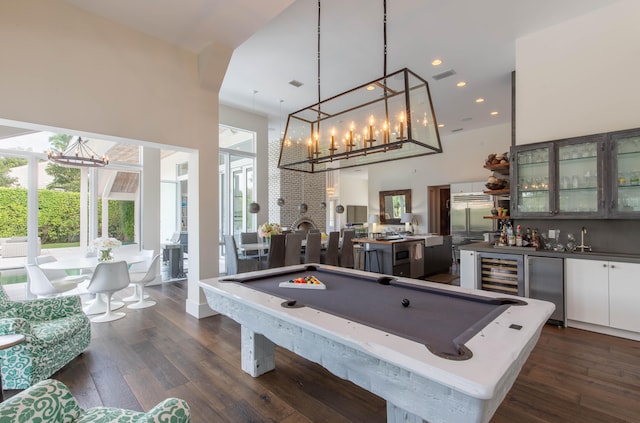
(154, 353)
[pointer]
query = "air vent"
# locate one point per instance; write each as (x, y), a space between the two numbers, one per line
(457, 130)
(467, 119)
(295, 83)
(444, 74)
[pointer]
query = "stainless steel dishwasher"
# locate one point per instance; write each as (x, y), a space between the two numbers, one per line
(545, 281)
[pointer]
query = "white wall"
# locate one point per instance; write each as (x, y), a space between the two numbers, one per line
(580, 77)
(353, 190)
(66, 70)
(462, 160)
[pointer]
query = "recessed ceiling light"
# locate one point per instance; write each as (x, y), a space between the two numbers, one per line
(441, 125)
(479, 100)
(370, 88)
(494, 113)
(436, 62)
(461, 84)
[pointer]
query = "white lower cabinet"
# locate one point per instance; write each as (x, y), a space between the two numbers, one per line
(605, 293)
(624, 296)
(587, 285)
(468, 269)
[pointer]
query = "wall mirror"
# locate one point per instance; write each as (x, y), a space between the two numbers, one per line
(393, 204)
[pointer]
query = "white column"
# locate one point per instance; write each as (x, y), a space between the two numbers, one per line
(149, 202)
(85, 235)
(93, 203)
(32, 217)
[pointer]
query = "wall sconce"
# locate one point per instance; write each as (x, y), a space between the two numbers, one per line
(254, 208)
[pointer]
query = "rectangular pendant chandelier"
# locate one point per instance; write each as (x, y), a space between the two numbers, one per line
(391, 118)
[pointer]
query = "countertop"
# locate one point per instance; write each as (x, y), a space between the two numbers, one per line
(384, 241)
(607, 256)
(429, 240)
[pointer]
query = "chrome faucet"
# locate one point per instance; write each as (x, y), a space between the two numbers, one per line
(582, 246)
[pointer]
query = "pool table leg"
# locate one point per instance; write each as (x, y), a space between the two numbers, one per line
(398, 415)
(258, 353)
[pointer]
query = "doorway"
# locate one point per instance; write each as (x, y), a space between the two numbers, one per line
(439, 209)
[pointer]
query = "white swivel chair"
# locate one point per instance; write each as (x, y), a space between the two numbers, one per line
(58, 276)
(141, 279)
(136, 268)
(41, 286)
(108, 278)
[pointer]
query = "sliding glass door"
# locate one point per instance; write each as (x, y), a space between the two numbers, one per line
(237, 163)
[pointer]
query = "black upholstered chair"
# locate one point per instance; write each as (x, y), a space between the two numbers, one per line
(346, 250)
(332, 253)
(313, 247)
(235, 264)
(276, 251)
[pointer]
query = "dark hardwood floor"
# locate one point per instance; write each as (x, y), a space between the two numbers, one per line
(154, 353)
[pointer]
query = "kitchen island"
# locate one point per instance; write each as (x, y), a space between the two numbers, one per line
(435, 256)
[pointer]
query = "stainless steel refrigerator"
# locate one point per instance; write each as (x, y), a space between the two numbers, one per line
(468, 211)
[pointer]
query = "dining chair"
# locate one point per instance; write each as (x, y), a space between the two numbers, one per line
(293, 246)
(137, 268)
(58, 276)
(331, 255)
(346, 250)
(249, 238)
(109, 278)
(235, 264)
(277, 246)
(313, 247)
(41, 286)
(141, 279)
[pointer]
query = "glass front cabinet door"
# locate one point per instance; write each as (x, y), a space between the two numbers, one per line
(580, 177)
(532, 180)
(562, 178)
(625, 174)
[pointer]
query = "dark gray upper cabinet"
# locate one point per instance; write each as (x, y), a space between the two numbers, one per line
(567, 178)
(623, 183)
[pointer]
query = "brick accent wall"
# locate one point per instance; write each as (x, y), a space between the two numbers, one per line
(295, 188)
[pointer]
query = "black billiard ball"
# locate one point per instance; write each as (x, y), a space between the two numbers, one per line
(405, 302)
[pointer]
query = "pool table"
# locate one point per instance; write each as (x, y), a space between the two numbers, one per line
(434, 352)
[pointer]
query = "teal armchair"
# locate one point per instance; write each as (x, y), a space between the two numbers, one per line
(56, 331)
(51, 401)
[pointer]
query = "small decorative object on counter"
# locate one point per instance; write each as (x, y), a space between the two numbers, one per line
(104, 247)
(518, 236)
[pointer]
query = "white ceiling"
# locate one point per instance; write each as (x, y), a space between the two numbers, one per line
(275, 41)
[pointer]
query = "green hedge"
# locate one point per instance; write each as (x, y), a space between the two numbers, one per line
(59, 216)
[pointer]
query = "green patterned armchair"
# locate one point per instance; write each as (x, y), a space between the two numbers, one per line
(51, 401)
(56, 331)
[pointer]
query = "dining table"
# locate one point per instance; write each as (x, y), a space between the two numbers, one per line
(263, 247)
(98, 305)
(87, 263)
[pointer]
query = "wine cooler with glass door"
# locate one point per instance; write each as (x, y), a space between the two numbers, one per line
(502, 273)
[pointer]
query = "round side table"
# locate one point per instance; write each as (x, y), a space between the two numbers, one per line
(8, 341)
